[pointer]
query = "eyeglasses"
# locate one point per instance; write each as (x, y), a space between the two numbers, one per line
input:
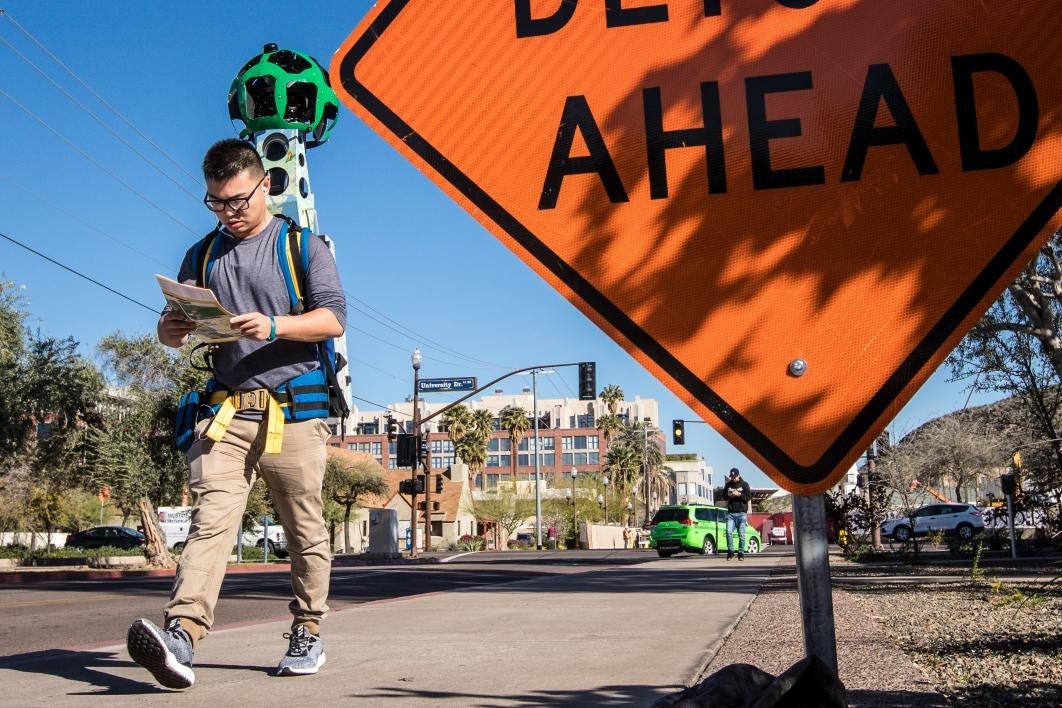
(236, 204)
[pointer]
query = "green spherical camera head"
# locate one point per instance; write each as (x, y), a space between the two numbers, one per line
(284, 89)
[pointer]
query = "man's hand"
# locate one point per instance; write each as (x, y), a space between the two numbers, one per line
(173, 329)
(254, 325)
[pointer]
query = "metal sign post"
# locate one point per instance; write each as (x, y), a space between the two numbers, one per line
(813, 578)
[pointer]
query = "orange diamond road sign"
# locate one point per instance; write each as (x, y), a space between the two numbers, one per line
(790, 211)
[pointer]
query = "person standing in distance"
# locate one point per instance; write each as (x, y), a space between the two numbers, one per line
(738, 495)
(275, 347)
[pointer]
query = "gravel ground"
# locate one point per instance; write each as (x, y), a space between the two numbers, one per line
(924, 636)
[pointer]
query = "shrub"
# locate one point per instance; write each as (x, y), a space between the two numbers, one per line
(471, 543)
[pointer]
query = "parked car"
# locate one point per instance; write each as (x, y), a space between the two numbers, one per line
(100, 536)
(696, 528)
(963, 520)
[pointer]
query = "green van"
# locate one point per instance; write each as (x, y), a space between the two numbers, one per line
(696, 528)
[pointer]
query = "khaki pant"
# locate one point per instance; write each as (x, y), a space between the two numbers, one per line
(220, 477)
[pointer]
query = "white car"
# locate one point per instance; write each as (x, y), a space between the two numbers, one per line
(963, 520)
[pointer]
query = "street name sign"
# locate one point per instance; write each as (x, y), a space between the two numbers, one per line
(465, 383)
(789, 211)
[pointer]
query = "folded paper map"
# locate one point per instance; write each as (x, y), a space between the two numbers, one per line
(202, 307)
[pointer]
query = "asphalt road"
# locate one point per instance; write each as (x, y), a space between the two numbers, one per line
(87, 613)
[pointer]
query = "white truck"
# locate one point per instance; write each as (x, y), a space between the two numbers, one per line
(176, 521)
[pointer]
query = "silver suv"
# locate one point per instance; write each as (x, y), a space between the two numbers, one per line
(963, 520)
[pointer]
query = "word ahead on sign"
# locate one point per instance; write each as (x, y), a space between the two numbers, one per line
(467, 383)
(790, 211)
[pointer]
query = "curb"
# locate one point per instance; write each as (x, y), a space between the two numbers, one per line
(12, 577)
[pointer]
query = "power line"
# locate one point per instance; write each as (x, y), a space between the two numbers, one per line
(397, 327)
(88, 157)
(99, 120)
(78, 273)
(112, 109)
(74, 216)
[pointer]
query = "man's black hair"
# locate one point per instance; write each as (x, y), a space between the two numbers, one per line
(229, 157)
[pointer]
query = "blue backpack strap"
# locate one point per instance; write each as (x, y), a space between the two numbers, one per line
(293, 258)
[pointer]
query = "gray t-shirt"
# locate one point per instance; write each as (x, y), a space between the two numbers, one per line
(246, 277)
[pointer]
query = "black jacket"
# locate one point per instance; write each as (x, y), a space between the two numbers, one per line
(738, 502)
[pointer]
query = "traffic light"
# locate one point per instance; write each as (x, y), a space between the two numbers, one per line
(406, 450)
(392, 427)
(587, 381)
(419, 486)
(1006, 481)
(438, 484)
(678, 432)
(405, 486)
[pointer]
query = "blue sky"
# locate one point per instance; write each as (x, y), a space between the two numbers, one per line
(117, 198)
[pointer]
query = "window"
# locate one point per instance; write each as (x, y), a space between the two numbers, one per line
(366, 429)
(442, 461)
(439, 447)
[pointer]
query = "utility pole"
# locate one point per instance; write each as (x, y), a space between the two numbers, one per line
(416, 360)
(875, 527)
(425, 449)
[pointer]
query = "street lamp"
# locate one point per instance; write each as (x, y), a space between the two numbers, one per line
(604, 481)
(630, 513)
(600, 501)
(416, 359)
(575, 507)
(538, 472)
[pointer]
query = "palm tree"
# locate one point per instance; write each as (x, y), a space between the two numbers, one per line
(623, 464)
(456, 421)
(515, 420)
(653, 476)
(611, 396)
(480, 427)
(609, 425)
(472, 449)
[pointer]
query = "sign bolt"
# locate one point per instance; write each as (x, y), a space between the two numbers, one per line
(797, 367)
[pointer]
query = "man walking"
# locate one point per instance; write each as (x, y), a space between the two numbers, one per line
(255, 433)
(738, 495)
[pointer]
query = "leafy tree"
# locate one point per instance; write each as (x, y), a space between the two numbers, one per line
(132, 452)
(348, 475)
(14, 423)
(507, 509)
(514, 419)
(1016, 350)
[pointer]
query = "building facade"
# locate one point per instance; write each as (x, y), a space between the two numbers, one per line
(567, 436)
(692, 480)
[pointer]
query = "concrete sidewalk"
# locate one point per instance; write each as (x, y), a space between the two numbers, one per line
(610, 635)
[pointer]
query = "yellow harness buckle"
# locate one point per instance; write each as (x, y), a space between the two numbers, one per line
(259, 400)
